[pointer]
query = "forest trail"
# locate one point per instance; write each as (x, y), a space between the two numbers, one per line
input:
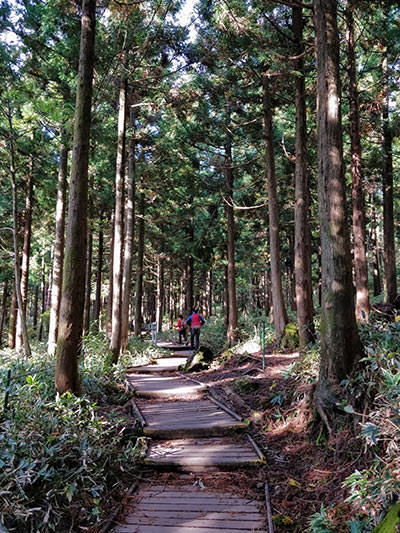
(191, 434)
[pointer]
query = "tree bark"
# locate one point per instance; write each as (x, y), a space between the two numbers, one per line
(12, 323)
(171, 297)
(232, 332)
(110, 277)
(302, 237)
(17, 271)
(160, 293)
(375, 257)
(118, 251)
(341, 347)
(280, 314)
(129, 234)
(225, 298)
(69, 343)
(360, 254)
(97, 301)
(58, 256)
(209, 292)
(189, 283)
(35, 308)
(387, 183)
(43, 300)
(3, 309)
(88, 282)
(26, 250)
(139, 268)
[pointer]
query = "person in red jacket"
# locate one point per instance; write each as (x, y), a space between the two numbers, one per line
(195, 321)
(181, 325)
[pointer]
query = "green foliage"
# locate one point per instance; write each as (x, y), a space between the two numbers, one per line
(391, 521)
(377, 385)
(61, 455)
(290, 338)
(213, 334)
(320, 523)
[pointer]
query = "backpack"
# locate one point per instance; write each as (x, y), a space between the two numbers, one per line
(182, 324)
(196, 322)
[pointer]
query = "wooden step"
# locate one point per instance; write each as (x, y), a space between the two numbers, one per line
(164, 364)
(181, 419)
(151, 386)
(191, 510)
(168, 345)
(203, 455)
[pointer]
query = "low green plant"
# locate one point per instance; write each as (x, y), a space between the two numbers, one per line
(62, 457)
(377, 385)
(319, 522)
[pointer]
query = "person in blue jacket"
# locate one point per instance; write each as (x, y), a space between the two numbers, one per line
(195, 321)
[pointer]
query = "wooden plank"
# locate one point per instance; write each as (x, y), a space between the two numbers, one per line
(178, 529)
(148, 384)
(193, 522)
(185, 515)
(167, 491)
(167, 364)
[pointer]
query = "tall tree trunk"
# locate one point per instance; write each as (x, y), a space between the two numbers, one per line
(232, 332)
(375, 257)
(12, 323)
(340, 343)
(182, 291)
(189, 283)
(17, 271)
(160, 293)
(280, 314)
(35, 308)
(97, 301)
(360, 254)
(115, 343)
(387, 183)
(209, 292)
(129, 233)
(302, 237)
(69, 343)
(110, 277)
(58, 256)
(3, 309)
(43, 300)
(88, 282)
(171, 298)
(225, 298)
(26, 250)
(139, 268)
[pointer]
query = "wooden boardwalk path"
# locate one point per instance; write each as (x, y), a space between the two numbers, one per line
(189, 432)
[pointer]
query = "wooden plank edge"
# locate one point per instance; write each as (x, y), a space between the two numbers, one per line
(270, 523)
(170, 434)
(257, 449)
(162, 395)
(224, 407)
(171, 466)
(111, 519)
(194, 380)
(138, 414)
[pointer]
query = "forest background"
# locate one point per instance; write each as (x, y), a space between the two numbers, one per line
(209, 181)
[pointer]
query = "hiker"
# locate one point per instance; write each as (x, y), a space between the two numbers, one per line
(195, 321)
(181, 325)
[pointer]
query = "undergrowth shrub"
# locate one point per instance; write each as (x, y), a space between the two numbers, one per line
(62, 458)
(377, 387)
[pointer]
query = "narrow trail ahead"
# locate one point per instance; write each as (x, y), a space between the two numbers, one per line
(191, 434)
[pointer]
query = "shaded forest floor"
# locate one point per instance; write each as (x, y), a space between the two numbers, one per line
(303, 469)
